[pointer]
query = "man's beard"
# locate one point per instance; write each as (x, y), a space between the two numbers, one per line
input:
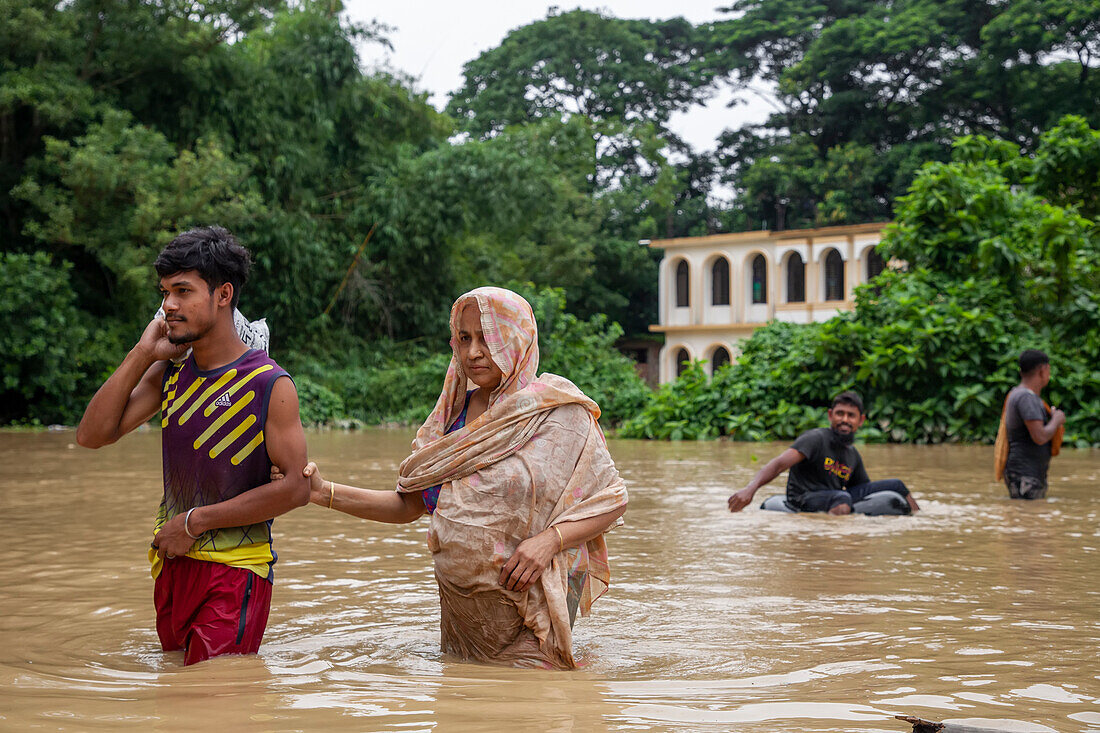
(185, 337)
(844, 438)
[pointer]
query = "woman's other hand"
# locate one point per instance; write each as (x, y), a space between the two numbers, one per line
(319, 493)
(530, 559)
(276, 474)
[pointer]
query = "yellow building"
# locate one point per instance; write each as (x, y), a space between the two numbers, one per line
(714, 291)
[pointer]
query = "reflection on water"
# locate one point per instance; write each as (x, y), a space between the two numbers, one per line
(978, 610)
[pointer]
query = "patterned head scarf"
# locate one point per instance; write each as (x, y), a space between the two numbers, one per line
(512, 337)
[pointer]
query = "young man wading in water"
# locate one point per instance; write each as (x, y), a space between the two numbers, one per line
(227, 412)
(826, 471)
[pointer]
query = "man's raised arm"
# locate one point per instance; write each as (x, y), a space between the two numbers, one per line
(131, 395)
(771, 469)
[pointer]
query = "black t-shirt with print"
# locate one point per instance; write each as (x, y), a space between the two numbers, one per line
(1025, 456)
(828, 465)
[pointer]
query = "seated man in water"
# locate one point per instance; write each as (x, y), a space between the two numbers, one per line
(826, 471)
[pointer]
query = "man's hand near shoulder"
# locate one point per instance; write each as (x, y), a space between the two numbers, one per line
(771, 469)
(131, 396)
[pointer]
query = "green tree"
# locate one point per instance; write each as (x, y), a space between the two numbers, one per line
(1066, 170)
(892, 72)
(40, 94)
(993, 267)
(45, 352)
(990, 209)
(870, 90)
(465, 215)
(583, 63)
(241, 111)
(113, 197)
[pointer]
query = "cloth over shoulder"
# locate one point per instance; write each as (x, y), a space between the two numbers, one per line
(590, 486)
(534, 458)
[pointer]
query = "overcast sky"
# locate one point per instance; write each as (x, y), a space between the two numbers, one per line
(433, 39)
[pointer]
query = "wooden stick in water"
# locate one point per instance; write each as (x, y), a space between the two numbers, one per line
(930, 726)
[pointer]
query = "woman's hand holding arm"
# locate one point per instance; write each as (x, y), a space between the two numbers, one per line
(534, 554)
(390, 507)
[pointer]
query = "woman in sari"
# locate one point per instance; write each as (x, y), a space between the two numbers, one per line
(515, 473)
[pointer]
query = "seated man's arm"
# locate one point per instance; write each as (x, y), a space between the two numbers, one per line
(771, 469)
(286, 447)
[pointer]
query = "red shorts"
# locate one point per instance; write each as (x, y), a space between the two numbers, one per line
(208, 609)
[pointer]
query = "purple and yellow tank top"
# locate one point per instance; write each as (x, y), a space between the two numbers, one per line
(212, 434)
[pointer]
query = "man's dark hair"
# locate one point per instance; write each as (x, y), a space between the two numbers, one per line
(1031, 360)
(848, 398)
(212, 252)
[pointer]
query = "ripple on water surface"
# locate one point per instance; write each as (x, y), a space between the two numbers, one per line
(978, 610)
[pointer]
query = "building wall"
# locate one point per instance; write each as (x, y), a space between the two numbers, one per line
(701, 327)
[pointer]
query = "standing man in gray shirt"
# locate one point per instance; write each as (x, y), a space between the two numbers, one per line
(1033, 430)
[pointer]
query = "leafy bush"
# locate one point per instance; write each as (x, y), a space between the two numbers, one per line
(400, 382)
(584, 352)
(397, 392)
(318, 405)
(46, 359)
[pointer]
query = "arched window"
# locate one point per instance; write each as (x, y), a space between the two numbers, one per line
(719, 359)
(682, 360)
(720, 282)
(682, 294)
(759, 279)
(875, 265)
(796, 279)
(834, 276)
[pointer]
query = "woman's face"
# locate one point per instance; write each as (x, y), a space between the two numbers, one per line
(472, 351)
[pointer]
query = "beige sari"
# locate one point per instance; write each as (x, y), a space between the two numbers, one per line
(534, 458)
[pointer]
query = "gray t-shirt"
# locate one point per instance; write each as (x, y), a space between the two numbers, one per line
(1025, 457)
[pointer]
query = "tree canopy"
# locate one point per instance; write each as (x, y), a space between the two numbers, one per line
(368, 211)
(993, 266)
(885, 86)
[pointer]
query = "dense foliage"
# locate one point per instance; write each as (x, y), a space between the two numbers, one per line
(122, 123)
(42, 365)
(870, 90)
(1002, 254)
(401, 383)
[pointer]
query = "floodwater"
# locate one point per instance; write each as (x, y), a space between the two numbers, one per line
(979, 610)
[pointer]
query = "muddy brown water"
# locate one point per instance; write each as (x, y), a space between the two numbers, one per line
(979, 610)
